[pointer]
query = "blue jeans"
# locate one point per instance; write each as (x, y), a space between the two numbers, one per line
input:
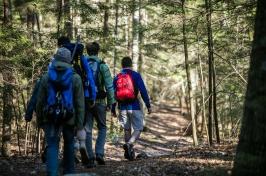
(52, 137)
(98, 112)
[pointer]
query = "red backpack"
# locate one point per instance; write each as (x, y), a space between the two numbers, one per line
(125, 89)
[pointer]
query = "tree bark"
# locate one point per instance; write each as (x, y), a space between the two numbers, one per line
(7, 12)
(190, 93)
(106, 20)
(251, 154)
(215, 116)
(116, 34)
(135, 34)
(7, 108)
(210, 63)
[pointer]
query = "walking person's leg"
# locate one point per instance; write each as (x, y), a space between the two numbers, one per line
(125, 122)
(102, 129)
(136, 120)
(69, 151)
(89, 128)
(52, 140)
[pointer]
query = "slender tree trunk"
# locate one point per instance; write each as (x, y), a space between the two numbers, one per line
(68, 19)
(251, 154)
(215, 116)
(190, 93)
(76, 20)
(106, 20)
(116, 34)
(7, 12)
(59, 16)
(135, 34)
(210, 63)
(7, 108)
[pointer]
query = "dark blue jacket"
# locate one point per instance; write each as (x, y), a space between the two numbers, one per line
(140, 87)
(32, 102)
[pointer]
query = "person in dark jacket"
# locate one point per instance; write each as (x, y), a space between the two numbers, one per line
(130, 114)
(60, 64)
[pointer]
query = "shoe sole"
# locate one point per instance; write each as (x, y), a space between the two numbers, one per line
(126, 152)
(84, 156)
(100, 162)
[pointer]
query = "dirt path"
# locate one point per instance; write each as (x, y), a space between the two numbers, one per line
(169, 153)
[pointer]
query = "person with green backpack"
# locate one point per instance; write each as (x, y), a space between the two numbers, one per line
(104, 100)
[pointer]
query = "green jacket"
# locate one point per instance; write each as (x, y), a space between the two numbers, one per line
(106, 82)
(78, 98)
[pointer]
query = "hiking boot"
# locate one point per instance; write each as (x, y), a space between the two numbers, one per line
(76, 160)
(125, 147)
(91, 163)
(84, 156)
(100, 159)
(129, 151)
(43, 155)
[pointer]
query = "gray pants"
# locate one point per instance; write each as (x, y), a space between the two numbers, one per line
(129, 119)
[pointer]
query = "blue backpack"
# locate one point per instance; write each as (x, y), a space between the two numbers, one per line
(59, 108)
(95, 67)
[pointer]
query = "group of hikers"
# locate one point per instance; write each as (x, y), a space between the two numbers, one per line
(77, 90)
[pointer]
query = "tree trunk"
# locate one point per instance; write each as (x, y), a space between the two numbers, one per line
(210, 63)
(106, 19)
(59, 16)
(7, 108)
(135, 34)
(116, 34)
(68, 19)
(7, 12)
(251, 154)
(215, 116)
(190, 93)
(76, 20)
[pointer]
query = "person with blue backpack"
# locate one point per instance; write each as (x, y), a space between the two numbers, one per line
(60, 109)
(82, 67)
(89, 92)
(104, 100)
(127, 85)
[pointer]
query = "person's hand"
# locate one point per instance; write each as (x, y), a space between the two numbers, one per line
(108, 108)
(81, 135)
(27, 118)
(149, 111)
(113, 111)
(92, 104)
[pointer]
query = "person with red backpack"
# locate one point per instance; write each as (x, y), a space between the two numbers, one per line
(127, 85)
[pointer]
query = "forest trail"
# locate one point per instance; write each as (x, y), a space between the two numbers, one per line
(169, 152)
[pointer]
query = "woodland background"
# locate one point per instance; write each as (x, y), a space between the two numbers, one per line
(193, 54)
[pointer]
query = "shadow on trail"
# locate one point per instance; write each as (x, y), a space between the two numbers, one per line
(165, 126)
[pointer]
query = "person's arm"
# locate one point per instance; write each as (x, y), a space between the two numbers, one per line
(113, 108)
(41, 100)
(78, 101)
(32, 102)
(143, 91)
(108, 83)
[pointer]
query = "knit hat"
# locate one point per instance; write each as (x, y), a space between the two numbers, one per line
(63, 55)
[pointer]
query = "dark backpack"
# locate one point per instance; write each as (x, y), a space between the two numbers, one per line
(125, 89)
(95, 68)
(59, 108)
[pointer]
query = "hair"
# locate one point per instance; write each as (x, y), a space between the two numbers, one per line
(126, 62)
(93, 48)
(62, 41)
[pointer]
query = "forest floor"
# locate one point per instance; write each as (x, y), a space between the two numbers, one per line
(169, 153)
